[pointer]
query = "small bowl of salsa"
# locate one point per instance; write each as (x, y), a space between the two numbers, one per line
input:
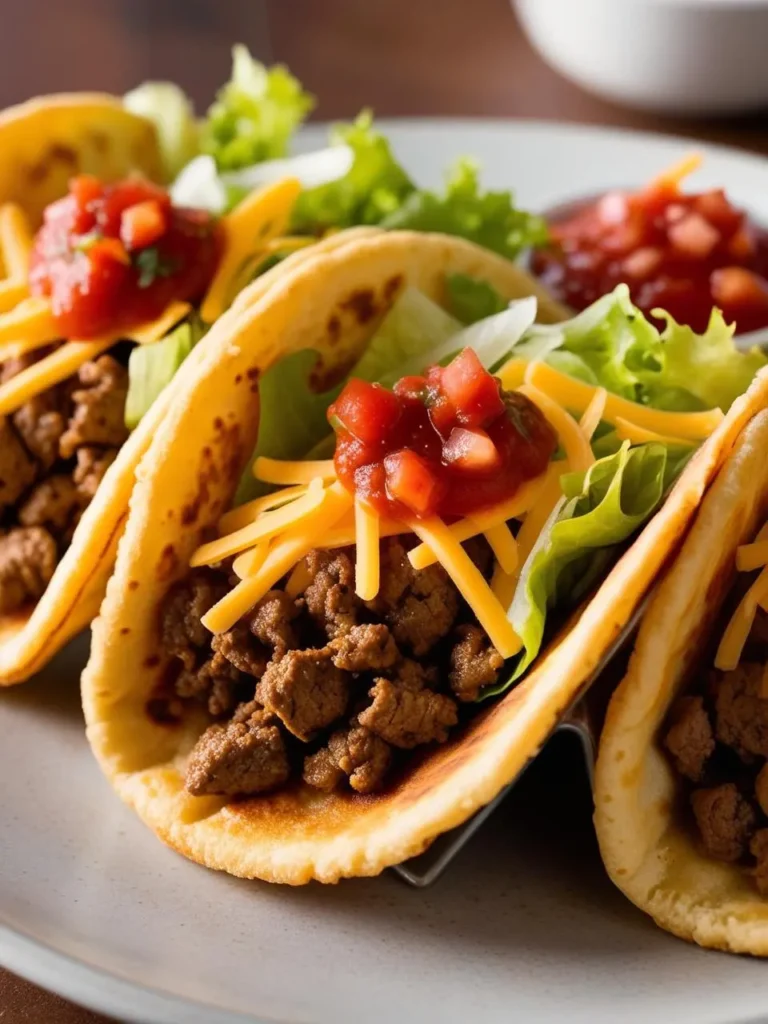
(684, 252)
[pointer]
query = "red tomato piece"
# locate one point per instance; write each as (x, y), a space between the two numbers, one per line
(734, 286)
(410, 480)
(142, 224)
(367, 411)
(412, 389)
(692, 235)
(471, 450)
(471, 389)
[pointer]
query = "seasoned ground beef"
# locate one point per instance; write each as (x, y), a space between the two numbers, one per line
(690, 739)
(311, 661)
(355, 752)
(40, 422)
(18, 470)
(741, 714)
(54, 451)
(725, 820)
(183, 634)
(305, 690)
(475, 663)
(240, 648)
(271, 621)
(27, 562)
(92, 464)
(407, 717)
(55, 503)
(330, 597)
(365, 648)
(99, 413)
(245, 756)
(214, 683)
(758, 847)
(720, 738)
(419, 607)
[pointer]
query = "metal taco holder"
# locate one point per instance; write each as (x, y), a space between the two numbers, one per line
(581, 720)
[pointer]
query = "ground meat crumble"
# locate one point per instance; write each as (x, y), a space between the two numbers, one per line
(717, 741)
(321, 680)
(54, 452)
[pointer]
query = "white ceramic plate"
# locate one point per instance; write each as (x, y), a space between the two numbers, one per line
(523, 927)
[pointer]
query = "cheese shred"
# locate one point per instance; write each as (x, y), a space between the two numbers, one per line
(367, 568)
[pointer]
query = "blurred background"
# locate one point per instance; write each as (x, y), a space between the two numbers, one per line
(401, 57)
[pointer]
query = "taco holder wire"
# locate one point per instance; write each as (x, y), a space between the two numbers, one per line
(580, 720)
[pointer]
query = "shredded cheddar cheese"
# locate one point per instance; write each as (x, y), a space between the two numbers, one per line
(470, 583)
(592, 415)
(748, 558)
(279, 471)
(241, 516)
(248, 229)
(367, 551)
(503, 545)
(512, 508)
(15, 242)
(47, 372)
(280, 560)
(628, 431)
(266, 526)
(572, 438)
(576, 395)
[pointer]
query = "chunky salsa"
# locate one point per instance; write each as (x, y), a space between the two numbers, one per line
(683, 253)
(449, 442)
(113, 256)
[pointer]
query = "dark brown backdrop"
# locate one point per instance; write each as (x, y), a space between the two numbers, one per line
(402, 57)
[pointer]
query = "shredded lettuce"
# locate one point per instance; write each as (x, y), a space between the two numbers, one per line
(372, 188)
(292, 417)
(601, 508)
(170, 110)
(254, 115)
(490, 219)
(151, 367)
(472, 299)
(611, 344)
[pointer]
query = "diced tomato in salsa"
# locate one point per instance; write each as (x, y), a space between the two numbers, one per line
(113, 256)
(670, 248)
(419, 450)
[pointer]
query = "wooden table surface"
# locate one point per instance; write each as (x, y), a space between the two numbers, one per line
(401, 57)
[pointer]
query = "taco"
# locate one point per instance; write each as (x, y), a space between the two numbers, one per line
(295, 683)
(95, 256)
(681, 804)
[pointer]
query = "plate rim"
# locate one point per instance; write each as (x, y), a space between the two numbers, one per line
(104, 991)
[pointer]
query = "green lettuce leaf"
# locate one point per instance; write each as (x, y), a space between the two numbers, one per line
(414, 326)
(708, 366)
(292, 417)
(151, 367)
(170, 110)
(613, 345)
(601, 508)
(374, 186)
(254, 115)
(488, 218)
(472, 299)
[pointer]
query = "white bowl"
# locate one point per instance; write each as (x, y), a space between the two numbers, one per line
(674, 56)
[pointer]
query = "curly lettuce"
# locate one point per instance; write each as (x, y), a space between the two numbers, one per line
(374, 186)
(254, 115)
(490, 219)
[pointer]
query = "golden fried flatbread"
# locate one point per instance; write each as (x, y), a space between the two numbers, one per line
(649, 850)
(331, 303)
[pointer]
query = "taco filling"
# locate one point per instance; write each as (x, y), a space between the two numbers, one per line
(717, 734)
(367, 607)
(111, 264)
